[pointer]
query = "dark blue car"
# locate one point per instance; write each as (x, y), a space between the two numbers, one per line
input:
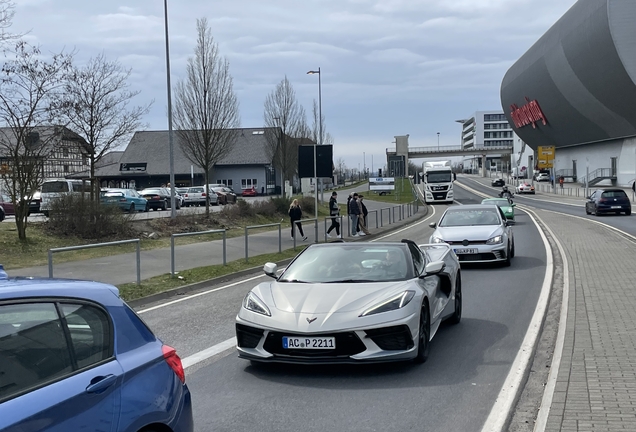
(75, 357)
(604, 201)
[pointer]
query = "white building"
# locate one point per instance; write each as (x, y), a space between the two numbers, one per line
(489, 129)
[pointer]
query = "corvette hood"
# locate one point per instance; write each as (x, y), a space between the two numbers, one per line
(328, 298)
(471, 233)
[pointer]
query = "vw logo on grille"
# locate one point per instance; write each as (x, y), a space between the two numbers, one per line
(465, 242)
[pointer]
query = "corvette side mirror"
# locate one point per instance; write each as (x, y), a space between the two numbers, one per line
(270, 269)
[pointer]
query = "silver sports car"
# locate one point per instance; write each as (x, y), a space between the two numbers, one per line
(477, 233)
(351, 303)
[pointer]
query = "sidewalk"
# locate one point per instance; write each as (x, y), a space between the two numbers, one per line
(120, 269)
(595, 387)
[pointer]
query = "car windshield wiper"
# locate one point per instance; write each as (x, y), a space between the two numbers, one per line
(349, 281)
(293, 281)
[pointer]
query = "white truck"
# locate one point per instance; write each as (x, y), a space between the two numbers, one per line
(438, 182)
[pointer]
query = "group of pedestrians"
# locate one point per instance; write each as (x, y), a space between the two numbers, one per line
(356, 210)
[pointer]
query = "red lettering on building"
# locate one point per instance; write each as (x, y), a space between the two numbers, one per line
(528, 114)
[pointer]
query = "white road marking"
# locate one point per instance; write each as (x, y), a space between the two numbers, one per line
(209, 352)
(504, 404)
(199, 294)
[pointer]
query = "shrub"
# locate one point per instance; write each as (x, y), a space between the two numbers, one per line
(72, 215)
(281, 204)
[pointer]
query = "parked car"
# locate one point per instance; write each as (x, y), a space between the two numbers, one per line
(249, 192)
(196, 195)
(75, 357)
(497, 182)
(225, 195)
(158, 198)
(477, 233)
(525, 188)
(56, 188)
(542, 177)
(506, 205)
(8, 209)
(127, 199)
(603, 201)
(351, 303)
(2, 213)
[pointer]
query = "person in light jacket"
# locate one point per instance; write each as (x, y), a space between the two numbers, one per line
(362, 217)
(295, 214)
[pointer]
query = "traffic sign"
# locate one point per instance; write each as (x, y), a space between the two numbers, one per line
(545, 157)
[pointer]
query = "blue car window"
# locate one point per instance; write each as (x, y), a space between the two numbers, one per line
(90, 331)
(33, 348)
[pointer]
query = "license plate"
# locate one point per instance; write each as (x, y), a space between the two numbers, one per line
(616, 207)
(465, 251)
(291, 342)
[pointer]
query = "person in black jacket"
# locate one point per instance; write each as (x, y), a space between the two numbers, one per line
(295, 214)
(334, 212)
(354, 212)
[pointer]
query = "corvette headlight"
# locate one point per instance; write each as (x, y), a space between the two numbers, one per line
(254, 304)
(394, 303)
(495, 240)
(436, 240)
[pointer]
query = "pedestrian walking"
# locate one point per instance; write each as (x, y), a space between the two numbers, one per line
(334, 212)
(362, 229)
(354, 212)
(295, 214)
(561, 180)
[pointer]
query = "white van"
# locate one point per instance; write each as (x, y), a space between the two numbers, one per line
(55, 188)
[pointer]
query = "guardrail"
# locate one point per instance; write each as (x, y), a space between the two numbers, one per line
(96, 245)
(173, 236)
(280, 239)
(315, 221)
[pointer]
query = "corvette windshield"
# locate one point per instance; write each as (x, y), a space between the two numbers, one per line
(335, 263)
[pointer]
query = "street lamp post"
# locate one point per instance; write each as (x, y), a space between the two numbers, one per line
(437, 141)
(319, 138)
(173, 213)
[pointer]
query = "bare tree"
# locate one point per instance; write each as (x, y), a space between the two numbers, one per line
(315, 127)
(30, 88)
(96, 105)
(206, 107)
(287, 116)
(6, 19)
(341, 168)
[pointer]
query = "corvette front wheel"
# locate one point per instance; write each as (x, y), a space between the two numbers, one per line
(424, 335)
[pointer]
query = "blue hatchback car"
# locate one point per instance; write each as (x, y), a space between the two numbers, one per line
(75, 357)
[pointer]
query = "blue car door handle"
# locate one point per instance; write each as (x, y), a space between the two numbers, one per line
(99, 384)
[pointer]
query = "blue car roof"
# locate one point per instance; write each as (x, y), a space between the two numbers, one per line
(14, 288)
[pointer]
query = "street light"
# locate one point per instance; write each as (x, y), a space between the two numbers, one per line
(437, 141)
(173, 213)
(319, 137)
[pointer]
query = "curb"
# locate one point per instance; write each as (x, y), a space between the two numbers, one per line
(186, 289)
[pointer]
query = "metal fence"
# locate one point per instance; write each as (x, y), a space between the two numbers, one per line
(280, 240)
(96, 245)
(173, 236)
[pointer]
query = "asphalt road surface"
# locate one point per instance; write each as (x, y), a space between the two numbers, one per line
(453, 391)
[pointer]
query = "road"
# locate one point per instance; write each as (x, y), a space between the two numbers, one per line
(464, 374)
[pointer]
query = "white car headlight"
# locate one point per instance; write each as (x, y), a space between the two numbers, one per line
(495, 240)
(437, 240)
(254, 304)
(394, 303)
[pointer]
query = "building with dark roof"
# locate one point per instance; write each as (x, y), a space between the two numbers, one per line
(575, 88)
(145, 162)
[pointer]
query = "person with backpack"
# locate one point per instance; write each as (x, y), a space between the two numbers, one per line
(295, 214)
(334, 212)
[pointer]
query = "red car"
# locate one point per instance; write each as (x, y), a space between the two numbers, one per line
(250, 192)
(6, 207)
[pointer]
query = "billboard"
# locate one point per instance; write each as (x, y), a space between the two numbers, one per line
(545, 157)
(381, 183)
(324, 161)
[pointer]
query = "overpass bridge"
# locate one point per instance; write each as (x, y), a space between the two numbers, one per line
(450, 151)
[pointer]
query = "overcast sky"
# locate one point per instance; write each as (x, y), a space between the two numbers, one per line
(388, 67)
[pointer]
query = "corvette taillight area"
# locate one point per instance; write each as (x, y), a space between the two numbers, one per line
(392, 338)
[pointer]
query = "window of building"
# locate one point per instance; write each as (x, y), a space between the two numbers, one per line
(65, 152)
(66, 168)
(226, 182)
(248, 183)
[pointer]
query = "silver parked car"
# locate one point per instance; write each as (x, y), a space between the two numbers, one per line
(351, 303)
(477, 233)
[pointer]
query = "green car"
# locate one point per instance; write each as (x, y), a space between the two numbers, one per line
(506, 207)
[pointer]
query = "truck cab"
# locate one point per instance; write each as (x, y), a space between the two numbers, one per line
(438, 182)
